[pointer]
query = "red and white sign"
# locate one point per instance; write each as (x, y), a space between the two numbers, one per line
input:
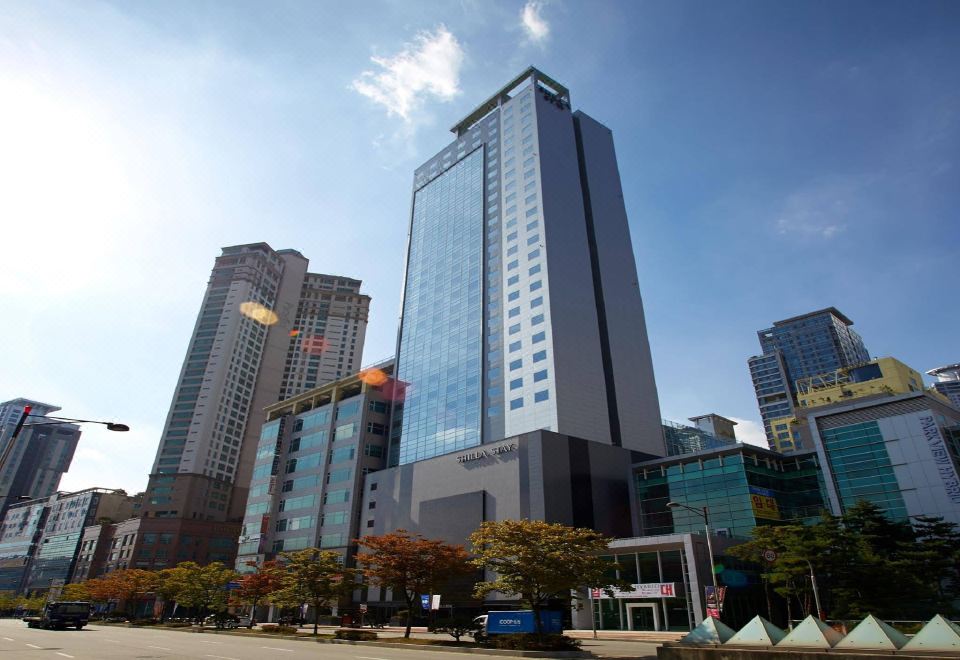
(595, 593)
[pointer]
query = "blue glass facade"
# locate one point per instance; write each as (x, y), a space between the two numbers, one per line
(861, 468)
(800, 347)
(440, 357)
(742, 487)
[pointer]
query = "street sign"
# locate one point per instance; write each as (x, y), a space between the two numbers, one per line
(595, 593)
(232, 585)
(363, 608)
(769, 555)
(435, 602)
(425, 601)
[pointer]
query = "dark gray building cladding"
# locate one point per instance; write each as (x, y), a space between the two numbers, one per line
(539, 476)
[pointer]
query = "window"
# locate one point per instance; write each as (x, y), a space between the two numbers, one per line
(536, 302)
(516, 383)
(345, 431)
(539, 375)
(539, 356)
(513, 279)
(515, 346)
(513, 312)
(533, 239)
(536, 320)
(513, 264)
(534, 254)
(516, 364)
(341, 454)
(536, 285)
(513, 295)
(516, 403)
(531, 211)
(542, 395)
(514, 329)
(375, 428)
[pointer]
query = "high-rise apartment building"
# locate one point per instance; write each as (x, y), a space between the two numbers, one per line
(267, 329)
(521, 307)
(800, 347)
(40, 455)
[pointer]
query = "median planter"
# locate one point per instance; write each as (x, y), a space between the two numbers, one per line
(355, 635)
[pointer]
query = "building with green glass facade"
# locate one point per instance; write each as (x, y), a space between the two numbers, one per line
(898, 452)
(742, 486)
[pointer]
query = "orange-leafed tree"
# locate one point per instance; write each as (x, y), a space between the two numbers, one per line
(410, 565)
(129, 586)
(255, 587)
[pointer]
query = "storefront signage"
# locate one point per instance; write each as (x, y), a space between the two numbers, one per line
(648, 590)
(764, 503)
(486, 453)
(941, 457)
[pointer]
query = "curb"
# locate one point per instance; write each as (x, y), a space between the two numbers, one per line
(441, 648)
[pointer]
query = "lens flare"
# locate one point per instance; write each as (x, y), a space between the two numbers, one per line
(373, 377)
(259, 313)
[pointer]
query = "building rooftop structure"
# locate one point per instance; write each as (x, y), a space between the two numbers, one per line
(530, 74)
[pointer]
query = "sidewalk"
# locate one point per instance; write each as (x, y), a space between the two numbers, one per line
(609, 643)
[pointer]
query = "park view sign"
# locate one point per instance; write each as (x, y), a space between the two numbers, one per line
(486, 453)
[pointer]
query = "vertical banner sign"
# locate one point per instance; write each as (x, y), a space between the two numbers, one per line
(715, 600)
(425, 601)
(941, 457)
(435, 602)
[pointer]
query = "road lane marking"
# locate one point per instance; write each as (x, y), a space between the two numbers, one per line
(223, 657)
(33, 646)
(9, 639)
(203, 641)
(367, 657)
(274, 648)
(162, 648)
(63, 654)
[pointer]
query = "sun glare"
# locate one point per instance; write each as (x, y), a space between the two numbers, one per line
(63, 188)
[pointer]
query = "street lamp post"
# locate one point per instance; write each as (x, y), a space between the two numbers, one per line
(816, 592)
(706, 526)
(22, 423)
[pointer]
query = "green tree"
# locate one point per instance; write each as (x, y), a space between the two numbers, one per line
(410, 565)
(541, 561)
(312, 577)
(203, 588)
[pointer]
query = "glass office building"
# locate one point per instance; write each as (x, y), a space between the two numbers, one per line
(800, 347)
(742, 487)
(518, 247)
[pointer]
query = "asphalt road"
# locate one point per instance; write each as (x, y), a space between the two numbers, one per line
(115, 642)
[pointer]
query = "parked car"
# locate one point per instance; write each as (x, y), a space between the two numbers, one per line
(222, 620)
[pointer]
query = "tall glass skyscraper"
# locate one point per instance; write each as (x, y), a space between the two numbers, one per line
(521, 306)
(800, 347)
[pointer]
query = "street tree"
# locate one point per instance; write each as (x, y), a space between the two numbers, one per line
(257, 586)
(204, 588)
(312, 577)
(410, 565)
(540, 562)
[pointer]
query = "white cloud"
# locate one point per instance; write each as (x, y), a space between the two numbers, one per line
(534, 24)
(430, 66)
(750, 432)
(824, 209)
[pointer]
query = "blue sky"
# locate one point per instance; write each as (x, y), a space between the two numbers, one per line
(776, 158)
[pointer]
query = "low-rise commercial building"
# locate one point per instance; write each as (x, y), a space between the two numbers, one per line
(899, 452)
(314, 451)
(742, 486)
(41, 539)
